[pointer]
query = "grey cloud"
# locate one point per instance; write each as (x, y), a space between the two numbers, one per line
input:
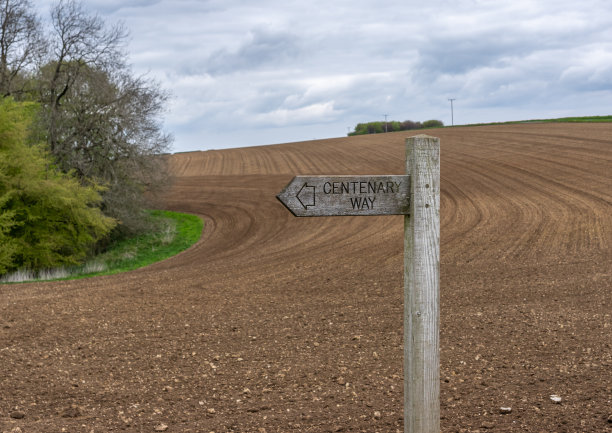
(454, 56)
(588, 77)
(460, 53)
(263, 48)
(112, 6)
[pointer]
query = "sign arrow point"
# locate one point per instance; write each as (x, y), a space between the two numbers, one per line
(308, 197)
(347, 195)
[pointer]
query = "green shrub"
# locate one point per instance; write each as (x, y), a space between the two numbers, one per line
(47, 218)
(433, 124)
(393, 126)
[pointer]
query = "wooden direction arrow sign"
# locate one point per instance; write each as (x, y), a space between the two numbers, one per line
(417, 196)
(347, 195)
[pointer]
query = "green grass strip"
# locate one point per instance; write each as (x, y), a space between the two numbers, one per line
(173, 233)
(176, 232)
(580, 119)
(586, 119)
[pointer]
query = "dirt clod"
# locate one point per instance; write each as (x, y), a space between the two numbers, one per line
(71, 412)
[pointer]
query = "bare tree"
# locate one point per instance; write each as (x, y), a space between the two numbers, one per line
(102, 122)
(22, 45)
(108, 129)
(78, 39)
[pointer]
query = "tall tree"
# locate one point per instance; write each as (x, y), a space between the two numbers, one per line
(77, 40)
(22, 45)
(100, 120)
(47, 217)
(108, 130)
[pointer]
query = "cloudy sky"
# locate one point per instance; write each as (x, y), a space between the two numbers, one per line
(250, 72)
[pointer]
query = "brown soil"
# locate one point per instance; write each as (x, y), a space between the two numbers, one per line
(273, 323)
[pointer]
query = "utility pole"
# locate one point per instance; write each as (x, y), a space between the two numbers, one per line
(452, 112)
(385, 121)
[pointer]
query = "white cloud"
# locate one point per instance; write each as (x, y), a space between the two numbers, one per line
(315, 113)
(113, 6)
(281, 71)
(593, 71)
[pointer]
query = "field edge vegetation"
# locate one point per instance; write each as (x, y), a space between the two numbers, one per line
(81, 137)
(583, 119)
(408, 125)
(173, 233)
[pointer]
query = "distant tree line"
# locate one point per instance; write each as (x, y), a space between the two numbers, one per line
(80, 136)
(393, 126)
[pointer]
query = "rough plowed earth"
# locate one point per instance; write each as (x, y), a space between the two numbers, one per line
(273, 323)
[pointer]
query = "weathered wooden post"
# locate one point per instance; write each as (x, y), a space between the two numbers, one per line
(422, 287)
(417, 196)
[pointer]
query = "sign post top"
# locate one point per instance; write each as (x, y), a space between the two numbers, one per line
(347, 195)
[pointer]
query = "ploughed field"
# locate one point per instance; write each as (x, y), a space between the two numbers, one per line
(273, 323)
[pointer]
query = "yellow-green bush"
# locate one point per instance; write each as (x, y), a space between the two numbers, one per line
(47, 218)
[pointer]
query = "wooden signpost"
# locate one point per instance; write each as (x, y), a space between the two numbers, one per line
(417, 196)
(347, 195)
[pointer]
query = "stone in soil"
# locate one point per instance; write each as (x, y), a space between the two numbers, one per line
(17, 414)
(71, 412)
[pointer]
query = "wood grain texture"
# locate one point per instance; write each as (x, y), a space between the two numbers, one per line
(422, 288)
(347, 195)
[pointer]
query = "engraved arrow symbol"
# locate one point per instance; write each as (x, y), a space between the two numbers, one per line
(308, 197)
